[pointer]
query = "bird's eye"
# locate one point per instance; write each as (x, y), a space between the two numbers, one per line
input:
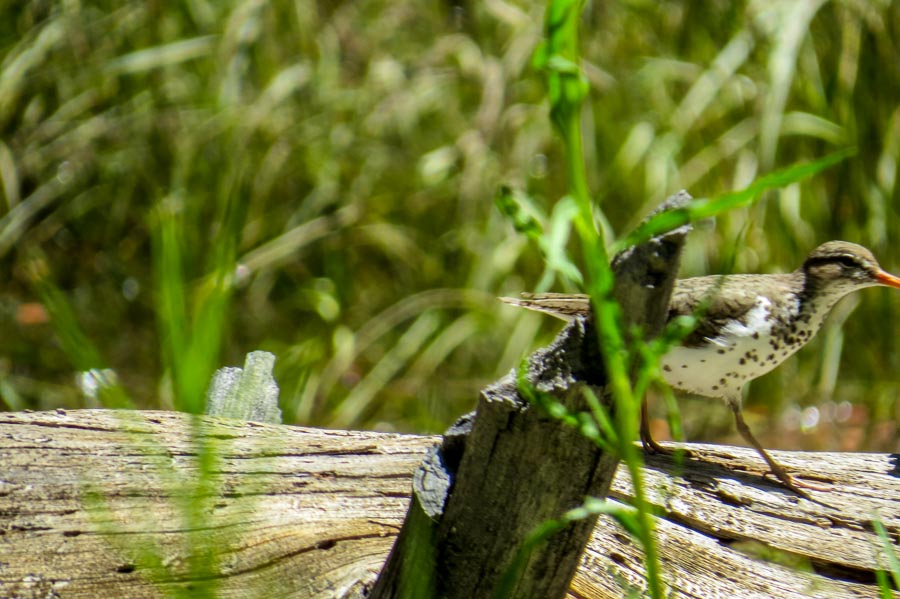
(847, 262)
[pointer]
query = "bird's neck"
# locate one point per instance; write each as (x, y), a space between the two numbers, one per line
(818, 296)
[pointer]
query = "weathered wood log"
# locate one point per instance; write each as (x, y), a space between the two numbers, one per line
(92, 505)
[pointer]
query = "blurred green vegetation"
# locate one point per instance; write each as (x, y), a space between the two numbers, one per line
(316, 179)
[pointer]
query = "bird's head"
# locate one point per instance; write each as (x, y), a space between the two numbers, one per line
(841, 267)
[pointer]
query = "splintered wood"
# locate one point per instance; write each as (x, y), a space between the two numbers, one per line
(98, 504)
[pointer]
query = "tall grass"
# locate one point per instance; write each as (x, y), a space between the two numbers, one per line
(346, 155)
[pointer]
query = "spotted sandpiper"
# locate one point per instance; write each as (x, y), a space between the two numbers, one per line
(746, 326)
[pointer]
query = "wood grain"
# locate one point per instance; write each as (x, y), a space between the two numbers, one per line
(91, 505)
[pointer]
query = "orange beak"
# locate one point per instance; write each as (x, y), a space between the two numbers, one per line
(887, 279)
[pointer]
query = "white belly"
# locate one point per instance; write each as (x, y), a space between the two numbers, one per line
(744, 351)
(722, 371)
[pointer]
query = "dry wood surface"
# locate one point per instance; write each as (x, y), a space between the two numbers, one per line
(96, 504)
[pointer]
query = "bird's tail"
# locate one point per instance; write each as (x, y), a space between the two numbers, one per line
(561, 305)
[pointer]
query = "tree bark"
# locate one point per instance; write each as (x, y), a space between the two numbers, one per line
(92, 505)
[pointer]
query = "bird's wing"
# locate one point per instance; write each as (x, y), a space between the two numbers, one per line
(731, 299)
(720, 302)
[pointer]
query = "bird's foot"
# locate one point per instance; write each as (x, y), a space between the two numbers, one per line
(780, 473)
(651, 446)
(797, 486)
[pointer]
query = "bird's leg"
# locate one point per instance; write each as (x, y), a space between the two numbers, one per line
(786, 479)
(647, 441)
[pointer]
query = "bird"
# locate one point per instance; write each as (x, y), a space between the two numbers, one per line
(745, 326)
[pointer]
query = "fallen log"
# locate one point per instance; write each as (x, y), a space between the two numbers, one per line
(98, 503)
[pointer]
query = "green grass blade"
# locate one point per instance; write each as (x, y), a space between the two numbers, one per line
(707, 208)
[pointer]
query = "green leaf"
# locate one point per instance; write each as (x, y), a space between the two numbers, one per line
(555, 242)
(706, 208)
(888, 548)
(521, 211)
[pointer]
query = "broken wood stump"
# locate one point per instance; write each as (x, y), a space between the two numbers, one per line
(509, 467)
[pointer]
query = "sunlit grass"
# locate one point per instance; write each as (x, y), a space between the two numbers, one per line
(361, 146)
